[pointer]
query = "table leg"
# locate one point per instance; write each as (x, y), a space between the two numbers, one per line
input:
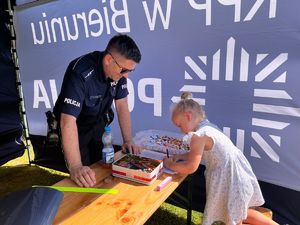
(185, 201)
(190, 199)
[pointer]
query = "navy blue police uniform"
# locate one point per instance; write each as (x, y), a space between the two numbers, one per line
(88, 95)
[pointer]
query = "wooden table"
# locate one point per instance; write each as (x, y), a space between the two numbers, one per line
(134, 204)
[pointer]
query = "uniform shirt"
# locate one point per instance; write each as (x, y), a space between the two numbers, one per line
(86, 93)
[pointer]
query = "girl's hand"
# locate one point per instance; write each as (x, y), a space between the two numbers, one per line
(176, 158)
(168, 162)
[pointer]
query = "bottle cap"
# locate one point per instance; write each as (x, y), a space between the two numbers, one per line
(107, 128)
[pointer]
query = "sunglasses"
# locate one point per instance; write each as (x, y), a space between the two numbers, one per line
(123, 70)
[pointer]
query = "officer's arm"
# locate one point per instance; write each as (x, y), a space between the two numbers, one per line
(124, 118)
(70, 140)
(125, 124)
(82, 175)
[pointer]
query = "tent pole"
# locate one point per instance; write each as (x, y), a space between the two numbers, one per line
(18, 80)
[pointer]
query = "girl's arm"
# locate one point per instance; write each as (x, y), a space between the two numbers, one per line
(192, 158)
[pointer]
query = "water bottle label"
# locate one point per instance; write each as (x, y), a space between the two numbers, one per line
(108, 155)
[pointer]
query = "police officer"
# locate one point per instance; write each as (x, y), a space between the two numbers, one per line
(83, 107)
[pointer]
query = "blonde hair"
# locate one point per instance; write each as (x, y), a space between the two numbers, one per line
(187, 104)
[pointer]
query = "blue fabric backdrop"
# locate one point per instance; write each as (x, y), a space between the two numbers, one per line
(240, 59)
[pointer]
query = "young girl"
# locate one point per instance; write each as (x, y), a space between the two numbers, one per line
(231, 186)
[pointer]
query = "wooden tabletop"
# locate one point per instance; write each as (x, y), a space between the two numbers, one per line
(134, 203)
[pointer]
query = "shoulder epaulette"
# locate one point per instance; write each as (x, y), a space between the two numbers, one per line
(85, 65)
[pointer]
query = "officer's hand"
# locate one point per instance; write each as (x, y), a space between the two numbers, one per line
(83, 176)
(130, 147)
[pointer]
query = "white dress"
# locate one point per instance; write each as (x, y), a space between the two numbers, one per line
(231, 185)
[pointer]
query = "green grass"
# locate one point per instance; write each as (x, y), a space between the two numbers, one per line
(18, 174)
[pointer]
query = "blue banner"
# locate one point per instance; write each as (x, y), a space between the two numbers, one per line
(240, 59)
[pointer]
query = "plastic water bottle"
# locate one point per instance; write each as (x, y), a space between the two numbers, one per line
(108, 152)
